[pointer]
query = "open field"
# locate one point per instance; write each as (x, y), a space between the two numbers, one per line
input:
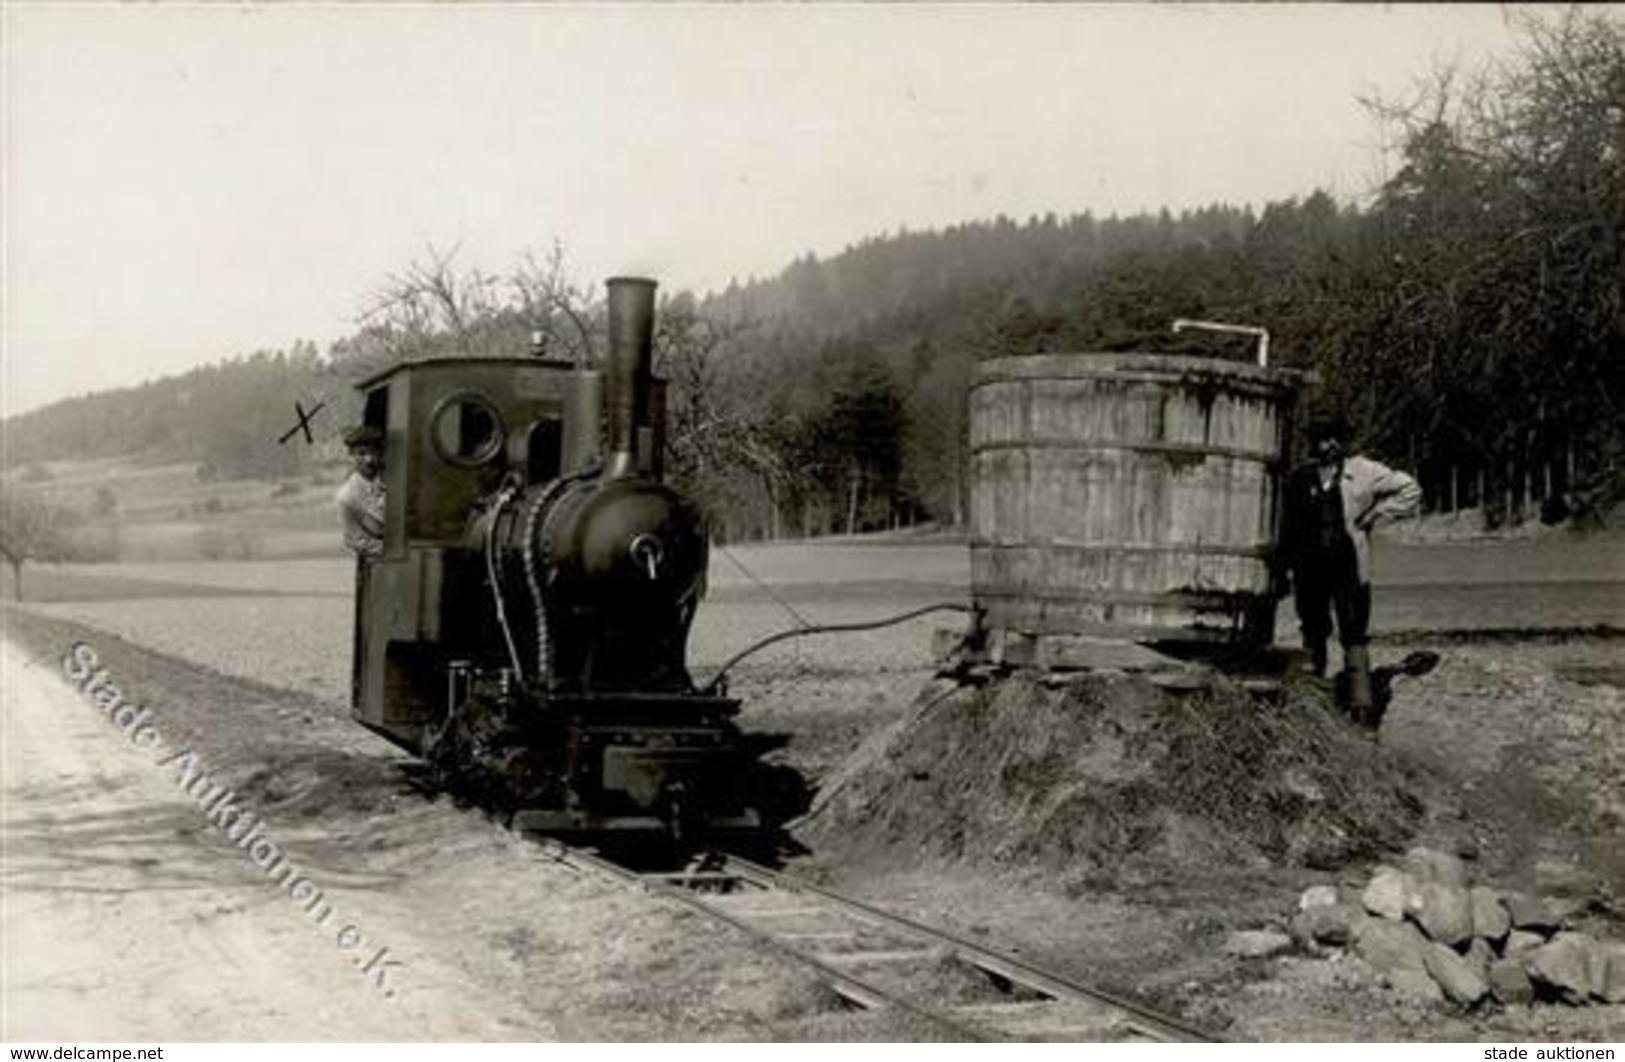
(142, 490)
(1520, 730)
(130, 509)
(287, 623)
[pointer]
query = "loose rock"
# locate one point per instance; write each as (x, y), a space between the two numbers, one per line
(1460, 982)
(1447, 914)
(1335, 924)
(1256, 943)
(1510, 982)
(1530, 912)
(1391, 946)
(1317, 896)
(1521, 941)
(1417, 985)
(1413, 896)
(1480, 956)
(1613, 986)
(1564, 965)
(1385, 896)
(1318, 845)
(1597, 968)
(1431, 865)
(1565, 909)
(1490, 919)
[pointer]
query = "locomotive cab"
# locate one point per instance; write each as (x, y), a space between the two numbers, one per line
(454, 429)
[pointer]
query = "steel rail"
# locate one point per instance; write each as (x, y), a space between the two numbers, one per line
(1153, 1024)
(1052, 987)
(853, 989)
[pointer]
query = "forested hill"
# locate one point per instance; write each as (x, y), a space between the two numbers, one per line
(1039, 260)
(225, 417)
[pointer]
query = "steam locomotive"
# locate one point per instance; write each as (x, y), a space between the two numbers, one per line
(526, 628)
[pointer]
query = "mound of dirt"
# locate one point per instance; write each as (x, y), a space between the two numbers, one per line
(1112, 770)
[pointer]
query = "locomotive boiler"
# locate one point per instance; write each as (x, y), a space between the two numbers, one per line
(526, 627)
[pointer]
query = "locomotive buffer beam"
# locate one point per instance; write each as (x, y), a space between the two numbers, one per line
(643, 757)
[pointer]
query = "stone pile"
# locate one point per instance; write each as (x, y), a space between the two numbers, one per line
(1432, 936)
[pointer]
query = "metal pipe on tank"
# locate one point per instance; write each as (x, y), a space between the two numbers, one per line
(629, 368)
(1263, 334)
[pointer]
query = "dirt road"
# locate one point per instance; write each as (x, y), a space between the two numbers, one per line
(126, 917)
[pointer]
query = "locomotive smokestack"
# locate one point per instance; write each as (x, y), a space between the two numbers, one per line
(630, 367)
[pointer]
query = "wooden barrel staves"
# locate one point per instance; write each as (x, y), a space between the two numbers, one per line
(1128, 496)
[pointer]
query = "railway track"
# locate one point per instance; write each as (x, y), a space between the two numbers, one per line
(875, 960)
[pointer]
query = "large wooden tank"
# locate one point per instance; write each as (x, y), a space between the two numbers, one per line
(1128, 496)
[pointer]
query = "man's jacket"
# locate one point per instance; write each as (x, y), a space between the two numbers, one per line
(1372, 493)
(360, 503)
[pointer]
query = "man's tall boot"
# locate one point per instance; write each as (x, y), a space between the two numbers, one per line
(1317, 656)
(1357, 662)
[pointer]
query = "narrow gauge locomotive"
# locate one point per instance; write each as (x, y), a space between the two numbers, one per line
(526, 626)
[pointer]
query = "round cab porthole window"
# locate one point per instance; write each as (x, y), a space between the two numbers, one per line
(466, 430)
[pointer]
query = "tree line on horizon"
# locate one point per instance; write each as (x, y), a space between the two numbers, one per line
(1466, 318)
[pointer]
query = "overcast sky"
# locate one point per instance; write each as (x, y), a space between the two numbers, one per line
(186, 183)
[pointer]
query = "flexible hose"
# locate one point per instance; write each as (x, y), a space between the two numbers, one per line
(831, 628)
(774, 594)
(496, 587)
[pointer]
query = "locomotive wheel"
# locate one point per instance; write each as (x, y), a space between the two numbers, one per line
(479, 756)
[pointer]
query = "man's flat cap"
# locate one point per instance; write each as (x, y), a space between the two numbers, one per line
(362, 436)
(1328, 426)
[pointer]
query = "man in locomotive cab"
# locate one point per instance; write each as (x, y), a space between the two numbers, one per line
(360, 498)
